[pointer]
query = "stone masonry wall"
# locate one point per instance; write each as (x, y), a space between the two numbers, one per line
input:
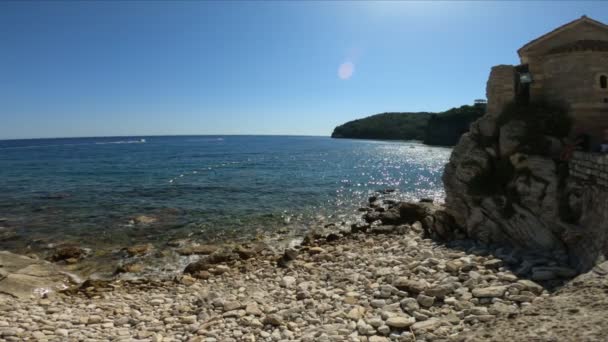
(500, 88)
(574, 77)
(590, 168)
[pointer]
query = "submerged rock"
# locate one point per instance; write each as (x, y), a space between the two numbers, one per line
(139, 250)
(68, 252)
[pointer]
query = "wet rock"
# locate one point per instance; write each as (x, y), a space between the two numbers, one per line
(145, 219)
(247, 252)
(384, 229)
(133, 267)
(139, 250)
(198, 249)
(288, 256)
(390, 217)
(371, 217)
(209, 262)
(66, 252)
(411, 212)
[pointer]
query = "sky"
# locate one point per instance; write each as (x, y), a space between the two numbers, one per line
(109, 68)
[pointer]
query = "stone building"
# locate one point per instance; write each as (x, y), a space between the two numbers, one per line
(567, 66)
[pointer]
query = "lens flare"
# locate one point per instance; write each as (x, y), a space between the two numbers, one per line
(346, 70)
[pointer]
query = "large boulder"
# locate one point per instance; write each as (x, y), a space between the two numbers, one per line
(502, 187)
(24, 277)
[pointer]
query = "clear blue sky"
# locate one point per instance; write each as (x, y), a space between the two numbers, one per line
(143, 68)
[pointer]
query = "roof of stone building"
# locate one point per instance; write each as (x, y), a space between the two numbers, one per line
(581, 45)
(583, 19)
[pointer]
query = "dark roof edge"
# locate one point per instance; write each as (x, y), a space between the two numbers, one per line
(575, 22)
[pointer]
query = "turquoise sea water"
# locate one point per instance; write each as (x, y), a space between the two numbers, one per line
(89, 190)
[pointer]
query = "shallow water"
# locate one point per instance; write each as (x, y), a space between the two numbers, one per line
(88, 190)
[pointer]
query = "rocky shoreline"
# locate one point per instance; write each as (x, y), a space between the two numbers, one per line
(379, 279)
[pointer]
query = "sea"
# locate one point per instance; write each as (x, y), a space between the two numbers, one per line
(108, 193)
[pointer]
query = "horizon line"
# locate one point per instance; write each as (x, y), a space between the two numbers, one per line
(167, 135)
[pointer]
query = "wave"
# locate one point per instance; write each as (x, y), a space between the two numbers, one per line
(140, 141)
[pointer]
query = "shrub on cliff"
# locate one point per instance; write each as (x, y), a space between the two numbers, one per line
(541, 118)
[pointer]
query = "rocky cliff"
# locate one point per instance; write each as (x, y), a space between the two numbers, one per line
(505, 185)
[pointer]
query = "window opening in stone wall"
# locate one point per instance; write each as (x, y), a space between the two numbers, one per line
(603, 81)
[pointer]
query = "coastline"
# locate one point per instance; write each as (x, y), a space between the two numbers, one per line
(382, 280)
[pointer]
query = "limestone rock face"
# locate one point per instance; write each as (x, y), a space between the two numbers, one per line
(510, 138)
(498, 191)
(23, 277)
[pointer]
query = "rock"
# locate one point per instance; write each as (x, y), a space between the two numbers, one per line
(493, 264)
(440, 291)
(95, 319)
(139, 250)
(316, 250)
(411, 212)
(400, 322)
(288, 256)
(410, 285)
(247, 252)
(232, 305)
(371, 216)
(555, 271)
(356, 313)
(531, 286)
(253, 309)
(390, 217)
(425, 301)
(511, 137)
(502, 309)
(205, 264)
(22, 277)
(273, 320)
(145, 220)
(189, 319)
(133, 267)
(409, 305)
(377, 303)
(68, 252)
(384, 229)
(198, 249)
(429, 324)
(490, 292)
(288, 282)
(453, 266)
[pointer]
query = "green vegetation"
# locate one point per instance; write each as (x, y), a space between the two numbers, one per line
(541, 118)
(432, 128)
(386, 126)
(447, 127)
